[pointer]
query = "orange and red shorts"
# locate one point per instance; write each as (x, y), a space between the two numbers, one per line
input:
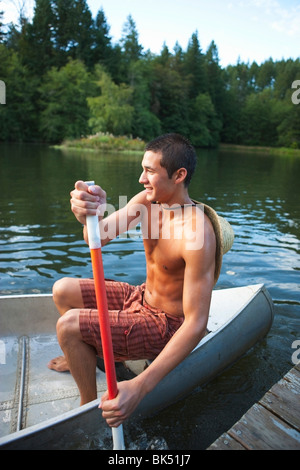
(138, 330)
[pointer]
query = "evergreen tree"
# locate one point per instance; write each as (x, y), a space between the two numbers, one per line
(237, 88)
(215, 83)
(132, 50)
(41, 54)
(165, 56)
(178, 58)
(265, 75)
(288, 126)
(2, 33)
(194, 67)
(144, 123)
(130, 47)
(286, 72)
(73, 29)
(169, 95)
(84, 32)
(102, 48)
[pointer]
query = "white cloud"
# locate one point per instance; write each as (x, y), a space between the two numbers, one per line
(288, 22)
(281, 16)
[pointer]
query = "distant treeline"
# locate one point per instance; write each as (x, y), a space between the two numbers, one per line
(65, 78)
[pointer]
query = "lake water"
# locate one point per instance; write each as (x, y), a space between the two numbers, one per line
(40, 242)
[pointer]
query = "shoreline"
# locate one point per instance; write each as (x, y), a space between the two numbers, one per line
(107, 142)
(259, 149)
(124, 144)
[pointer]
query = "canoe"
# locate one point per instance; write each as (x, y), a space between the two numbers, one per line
(40, 407)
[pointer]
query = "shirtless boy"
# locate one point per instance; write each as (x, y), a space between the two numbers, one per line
(165, 318)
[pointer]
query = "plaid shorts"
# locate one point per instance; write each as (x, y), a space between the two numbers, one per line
(138, 330)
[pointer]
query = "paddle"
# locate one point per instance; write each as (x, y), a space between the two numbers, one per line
(98, 272)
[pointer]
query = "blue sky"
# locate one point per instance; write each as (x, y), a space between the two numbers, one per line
(253, 30)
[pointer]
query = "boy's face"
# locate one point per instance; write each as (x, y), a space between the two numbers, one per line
(159, 187)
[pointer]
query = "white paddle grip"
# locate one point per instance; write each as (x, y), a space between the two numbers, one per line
(93, 229)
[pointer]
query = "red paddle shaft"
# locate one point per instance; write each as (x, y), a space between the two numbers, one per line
(105, 331)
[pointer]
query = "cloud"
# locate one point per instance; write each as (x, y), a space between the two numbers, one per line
(281, 16)
(288, 22)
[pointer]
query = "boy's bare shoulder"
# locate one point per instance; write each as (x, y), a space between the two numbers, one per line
(140, 198)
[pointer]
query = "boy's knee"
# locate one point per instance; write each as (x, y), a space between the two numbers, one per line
(60, 287)
(66, 294)
(67, 326)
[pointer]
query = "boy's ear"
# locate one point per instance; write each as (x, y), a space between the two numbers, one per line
(180, 175)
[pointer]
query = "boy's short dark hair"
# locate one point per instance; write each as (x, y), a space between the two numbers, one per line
(177, 152)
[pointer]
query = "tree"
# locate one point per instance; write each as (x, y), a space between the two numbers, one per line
(265, 75)
(204, 129)
(215, 82)
(102, 48)
(259, 119)
(111, 111)
(169, 96)
(64, 109)
(178, 58)
(72, 31)
(237, 88)
(40, 35)
(286, 72)
(2, 33)
(165, 56)
(194, 67)
(19, 119)
(144, 123)
(130, 47)
(288, 127)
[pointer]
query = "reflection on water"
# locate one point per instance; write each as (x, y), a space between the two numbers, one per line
(40, 242)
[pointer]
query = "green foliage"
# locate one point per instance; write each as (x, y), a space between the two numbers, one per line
(63, 100)
(205, 127)
(64, 79)
(145, 123)
(17, 117)
(107, 142)
(2, 33)
(111, 110)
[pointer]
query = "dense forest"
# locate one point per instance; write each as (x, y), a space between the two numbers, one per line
(65, 78)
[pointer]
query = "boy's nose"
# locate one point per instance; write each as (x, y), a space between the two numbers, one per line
(143, 178)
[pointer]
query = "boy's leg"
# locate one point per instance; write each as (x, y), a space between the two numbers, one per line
(66, 296)
(80, 357)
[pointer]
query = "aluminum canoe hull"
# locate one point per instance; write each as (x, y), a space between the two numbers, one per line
(239, 318)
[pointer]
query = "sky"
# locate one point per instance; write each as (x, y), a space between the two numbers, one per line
(245, 30)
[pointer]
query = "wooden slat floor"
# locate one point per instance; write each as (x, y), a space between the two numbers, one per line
(271, 424)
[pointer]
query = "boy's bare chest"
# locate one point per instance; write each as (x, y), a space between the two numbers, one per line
(164, 254)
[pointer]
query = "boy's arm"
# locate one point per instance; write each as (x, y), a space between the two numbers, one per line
(91, 200)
